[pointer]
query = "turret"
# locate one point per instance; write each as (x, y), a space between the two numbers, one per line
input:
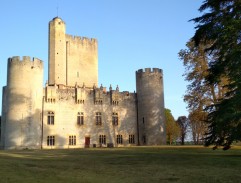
(23, 103)
(57, 52)
(150, 99)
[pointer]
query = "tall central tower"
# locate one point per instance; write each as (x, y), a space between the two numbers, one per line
(73, 60)
(57, 52)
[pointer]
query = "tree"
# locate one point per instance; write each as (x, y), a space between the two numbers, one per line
(196, 61)
(172, 128)
(220, 25)
(183, 123)
(200, 93)
(198, 126)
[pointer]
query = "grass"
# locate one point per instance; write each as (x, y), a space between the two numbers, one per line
(138, 164)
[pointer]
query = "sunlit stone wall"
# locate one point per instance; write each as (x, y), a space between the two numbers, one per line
(66, 107)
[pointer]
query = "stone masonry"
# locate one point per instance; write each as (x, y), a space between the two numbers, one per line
(72, 110)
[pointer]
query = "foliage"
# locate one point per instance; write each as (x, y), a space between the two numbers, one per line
(220, 24)
(183, 123)
(198, 126)
(172, 128)
(200, 94)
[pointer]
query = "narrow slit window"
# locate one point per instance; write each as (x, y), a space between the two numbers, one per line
(98, 118)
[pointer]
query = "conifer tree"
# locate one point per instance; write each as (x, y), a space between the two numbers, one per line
(200, 93)
(220, 24)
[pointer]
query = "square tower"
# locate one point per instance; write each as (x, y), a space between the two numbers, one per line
(73, 60)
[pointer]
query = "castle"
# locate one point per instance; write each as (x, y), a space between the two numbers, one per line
(72, 110)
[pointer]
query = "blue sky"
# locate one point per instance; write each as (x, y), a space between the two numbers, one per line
(132, 34)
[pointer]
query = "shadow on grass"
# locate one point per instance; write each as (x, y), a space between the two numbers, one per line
(138, 164)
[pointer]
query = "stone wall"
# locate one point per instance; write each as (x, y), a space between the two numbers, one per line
(82, 61)
(72, 89)
(57, 52)
(66, 107)
(72, 59)
(23, 103)
(151, 116)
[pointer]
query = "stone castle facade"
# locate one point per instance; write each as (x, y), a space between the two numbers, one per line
(72, 110)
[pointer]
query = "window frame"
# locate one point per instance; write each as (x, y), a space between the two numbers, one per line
(50, 118)
(102, 139)
(115, 119)
(98, 118)
(131, 139)
(119, 139)
(72, 140)
(51, 140)
(80, 118)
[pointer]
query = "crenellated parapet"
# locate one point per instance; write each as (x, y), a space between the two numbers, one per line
(25, 61)
(81, 94)
(82, 41)
(148, 71)
(30, 70)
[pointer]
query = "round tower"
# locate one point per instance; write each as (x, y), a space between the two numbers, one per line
(23, 96)
(150, 103)
(57, 52)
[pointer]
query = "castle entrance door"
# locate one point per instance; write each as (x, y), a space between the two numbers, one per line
(87, 142)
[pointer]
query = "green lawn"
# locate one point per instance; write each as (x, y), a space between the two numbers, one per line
(139, 164)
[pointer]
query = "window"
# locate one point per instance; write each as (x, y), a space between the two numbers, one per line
(50, 141)
(80, 118)
(119, 139)
(115, 118)
(72, 140)
(144, 139)
(98, 118)
(102, 139)
(50, 118)
(131, 139)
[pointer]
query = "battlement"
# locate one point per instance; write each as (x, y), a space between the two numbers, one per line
(25, 60)
(81, 40)
(149, 70)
